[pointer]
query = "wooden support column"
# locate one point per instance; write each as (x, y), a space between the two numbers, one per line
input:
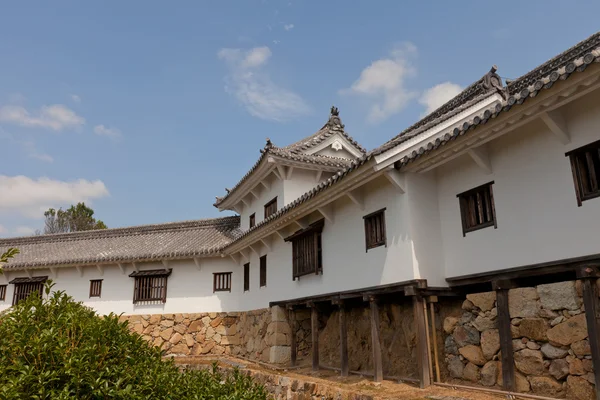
(376, 340)
(508, 363)
(314, 323)
(345, 370)
(293, 344)
(422, 339)
(589, 276)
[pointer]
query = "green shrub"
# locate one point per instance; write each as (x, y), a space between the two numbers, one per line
(59, 349)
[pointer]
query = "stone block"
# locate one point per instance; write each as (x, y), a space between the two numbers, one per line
(180, 348)
(572, 330)
(154, 319)
(559, 368)
(523, 303)
(521, 383)
(450, 324)
(545, 386)
(553, 352)
(473, 354)
(529, 362)
(485, 301)
(581, 348)
(195, 326)
(278, 314)
(558, 296)
(533, 328)
(280, 354)
(166, 334)
(484, 323)
(489, 373)
(464, 335)
(579, 388)
(450, 346)
(490, 343)
(176, 338)
(455, 367)
(471, 373)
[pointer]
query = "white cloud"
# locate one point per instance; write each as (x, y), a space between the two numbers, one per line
(288, 27)
(76, 98)
(24, 230)
(33, 152)
(31, 197)
(436, 96)
(251, 84)
(56, 117)
(112, 133)
(383, 83)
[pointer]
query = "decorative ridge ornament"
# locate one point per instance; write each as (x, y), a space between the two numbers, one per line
(492, 80)
(334, 118)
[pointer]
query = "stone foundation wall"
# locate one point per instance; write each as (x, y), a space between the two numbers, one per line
(261, 335)
(549, 331)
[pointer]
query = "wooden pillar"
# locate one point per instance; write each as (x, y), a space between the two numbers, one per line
(589, 275)
(376, 340)
(343, 338)
(508, 363)
(293, 345)
(421, 333)
(314, 323)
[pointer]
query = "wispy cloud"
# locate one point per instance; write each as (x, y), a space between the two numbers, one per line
(288, 27)
(383, 83)
(249, 81)
(76, 98)
(31, 197)
(56, 117)
(436, 96)
(29, 146)
(112, 133)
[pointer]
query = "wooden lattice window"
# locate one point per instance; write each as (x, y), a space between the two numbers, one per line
(2, 292)
(263, 271)
(26, 286)
(246, 277)
(307, 251)
(585, 165)
(150, 285)
(95, 288)
(477, 208)
(252, 220)
(222, 282)
(271, 208)
(375, 229)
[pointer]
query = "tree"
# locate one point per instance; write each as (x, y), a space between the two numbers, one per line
(74, 219)
(10, 253)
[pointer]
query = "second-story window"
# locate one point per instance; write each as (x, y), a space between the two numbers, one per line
(271, 208)
(252, 220)
(375, 229)
(246, 277)
(585, 165)
(477, 208)
(307, 250)
(263, 271)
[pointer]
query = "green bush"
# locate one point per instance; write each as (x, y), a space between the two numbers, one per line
(59, 349)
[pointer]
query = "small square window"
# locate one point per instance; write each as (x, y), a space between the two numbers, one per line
(375, 229)
(271, 208)
(263, 271)
(246, 277)
(222, 282)
(477, 208)
(252, 220)
(96, 288)
(2, 292)
(585, 165)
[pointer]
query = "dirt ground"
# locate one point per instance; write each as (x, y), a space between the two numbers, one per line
(385, 390)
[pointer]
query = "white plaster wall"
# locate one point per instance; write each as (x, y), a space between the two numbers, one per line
(536, 208)
(257, 206)
(301, 182)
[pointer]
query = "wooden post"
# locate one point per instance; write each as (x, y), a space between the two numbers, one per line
(293, 345)
(376, 341)
(433, 299)
(314, 323)
(343, 338)
(508, 363)
(589, 276)
(421, 333)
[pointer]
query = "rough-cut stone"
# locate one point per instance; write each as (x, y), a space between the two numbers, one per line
(545, 386)
(517, 344)
(552, 352)
(484, 323)
(450, 324)
(467, 305)
(450, 346)
(176, 338)
(490, 343)
(570, 331)
(485, 301)
(533, 345)
(581, 348)
(579, 388)
(166, 334)
(514, 332)
(522, 303)
(155, 319)
(556, 296)
(529, 362)
(206, 348)
(533, 328)
(521, 383)
(489, 373)
(280, 354)
(195, 326)
(471, 372)
(575, 366)
(455, 367)
(180, 348)
(464, 335)
(278, 314)
(473, 354)
(557, 320)
(559, 368)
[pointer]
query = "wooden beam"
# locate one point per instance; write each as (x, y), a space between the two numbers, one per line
(267, 243)
(54, 272)
(197, 262)
(265, 184)
(290, 171)
(318, 175)
(165, 264)
(244, 255)
(482, 159)
(301, 223)
(327, 212)
(555, 121)
(592, 307)
(254, 250)
(246, 203)
(29, 273)
(508, 363)
(235, 259)
(281, 233)
(376, 340)
(314, 323)
(254, 193)
(396, 179)
(135, 267)
(422, 350)
(122, 268)
(276, 173)
(79, 269)
(293, 344)
(282, 172)
(357, 198)
(239, 208)
(100, 269)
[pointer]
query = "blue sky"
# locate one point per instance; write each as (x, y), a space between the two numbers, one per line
(148, 109)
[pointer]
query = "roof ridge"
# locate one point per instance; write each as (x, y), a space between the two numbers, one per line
(124, 231)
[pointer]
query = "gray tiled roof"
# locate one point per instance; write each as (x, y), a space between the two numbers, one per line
(149, 242)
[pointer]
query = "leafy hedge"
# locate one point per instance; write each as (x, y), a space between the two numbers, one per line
(59, 349)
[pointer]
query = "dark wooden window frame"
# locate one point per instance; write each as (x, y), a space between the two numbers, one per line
(222, 282)
(25, 286)
(263, 271)
(307, 250)
(246, 277)
(150, 285)
(489, 211)
(585, 166)
(252, 221)
(96, 288)
(3, 292)
(370, 220)
(271, 208)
